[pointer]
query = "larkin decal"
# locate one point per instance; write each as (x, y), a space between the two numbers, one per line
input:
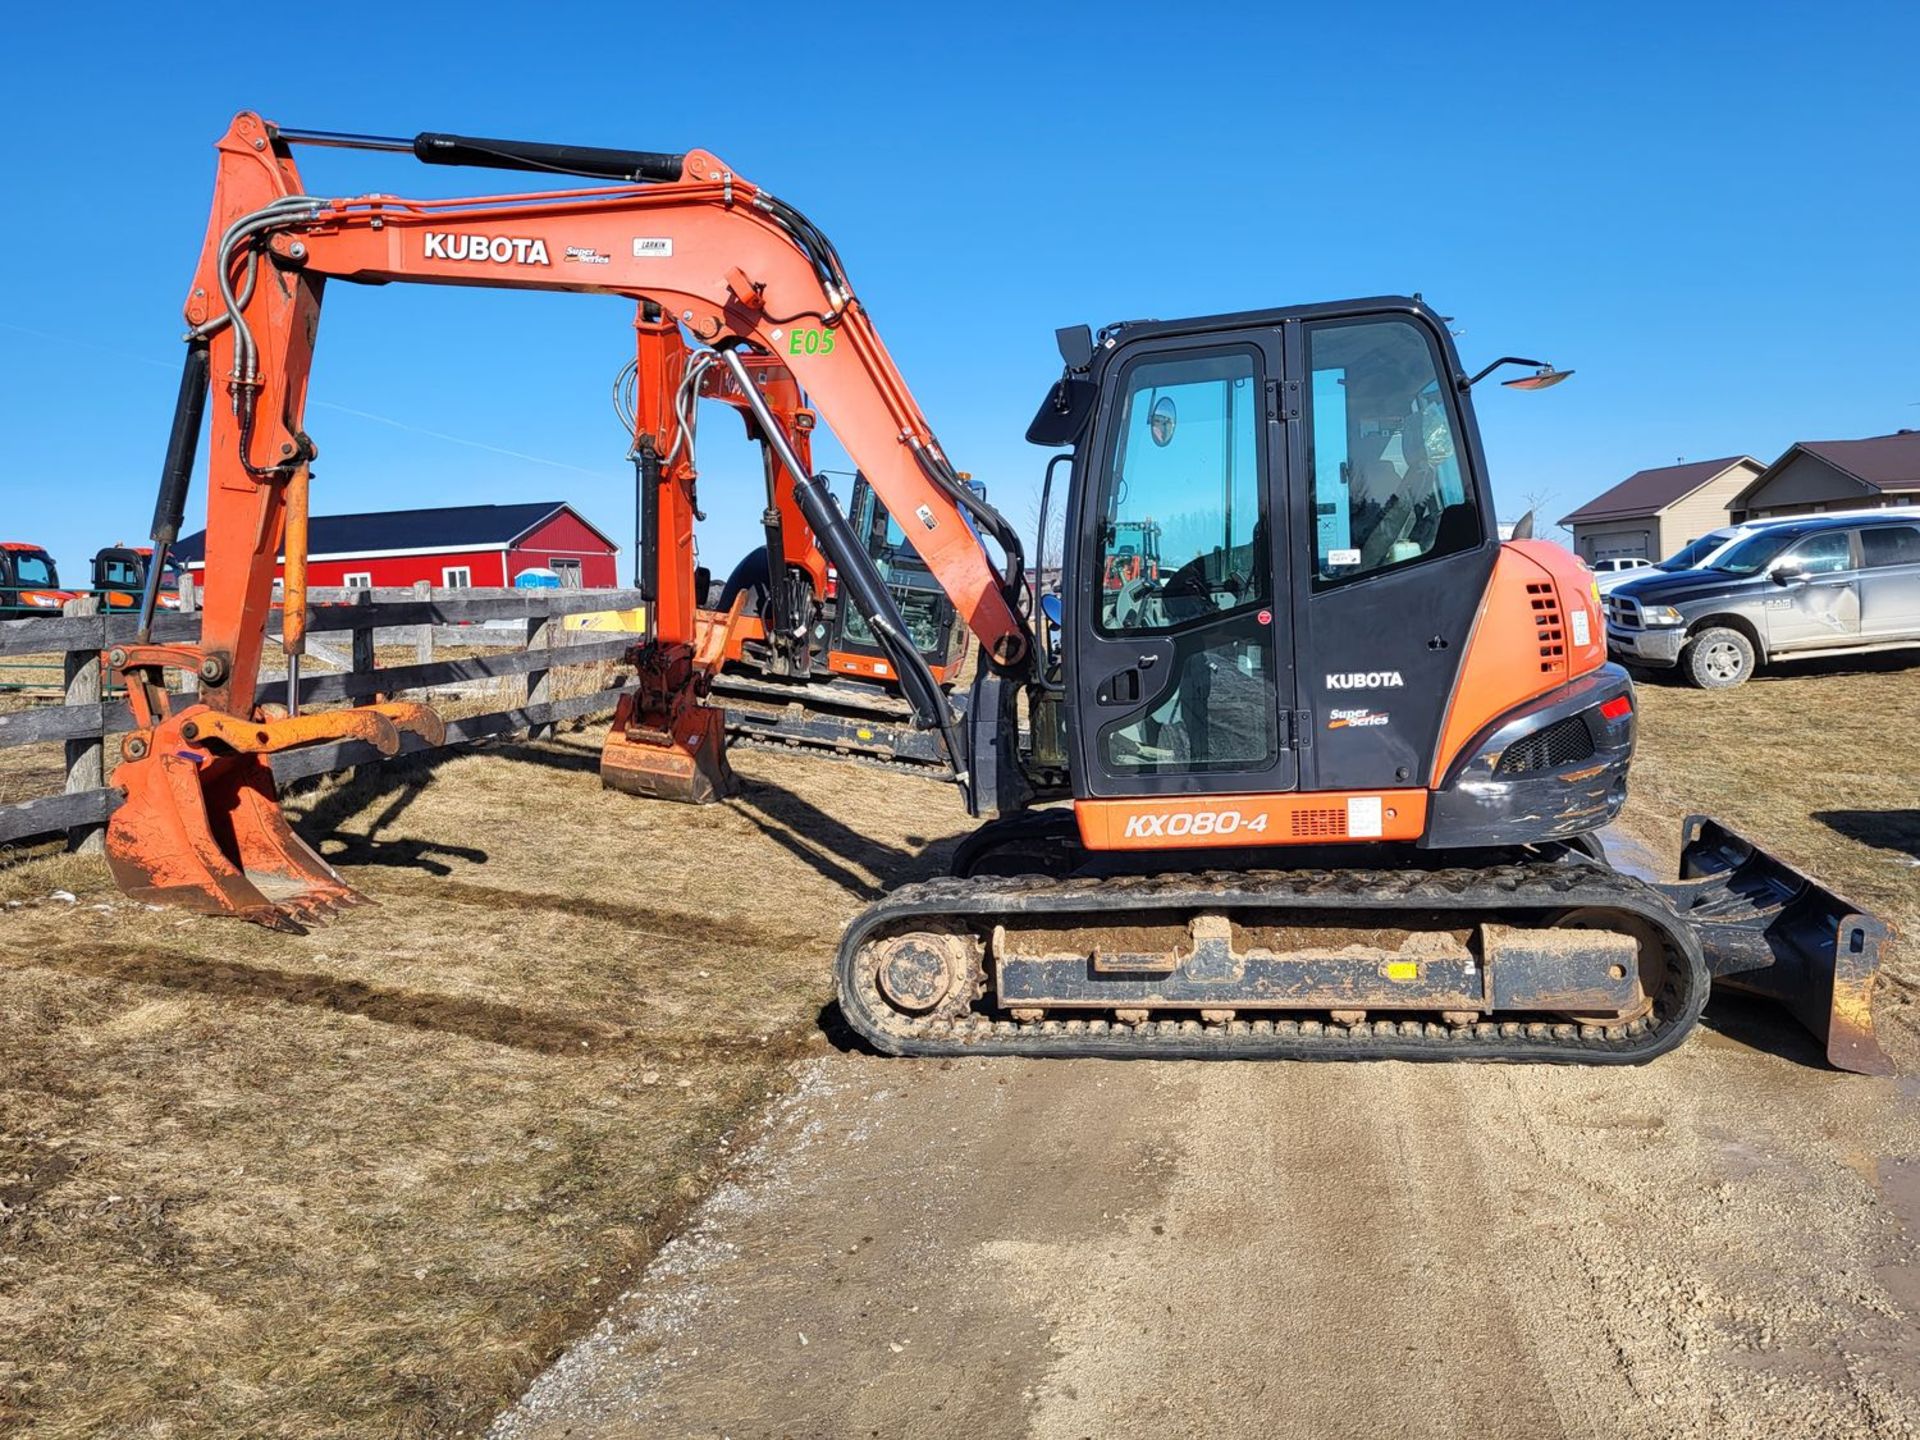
(485, 249)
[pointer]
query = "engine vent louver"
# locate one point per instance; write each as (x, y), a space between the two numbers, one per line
(1550, 624)
(1329, 822)
(1561, 743)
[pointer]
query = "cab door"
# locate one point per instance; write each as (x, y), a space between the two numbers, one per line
(1813, 600)
(1179, 655)
(1890, 582)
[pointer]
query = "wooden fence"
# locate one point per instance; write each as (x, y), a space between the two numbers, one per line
(420, 617)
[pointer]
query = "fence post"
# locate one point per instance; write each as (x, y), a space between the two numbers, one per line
(189, 595)
(363, 660)
(540, 632)
(86, 757)
(423, 642)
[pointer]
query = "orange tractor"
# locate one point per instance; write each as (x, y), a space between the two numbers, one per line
(1323, 791)
(29, 580)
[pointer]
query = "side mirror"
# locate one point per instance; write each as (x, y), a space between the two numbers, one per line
(1787, 573)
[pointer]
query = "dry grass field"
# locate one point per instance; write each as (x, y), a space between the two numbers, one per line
(368, 1181)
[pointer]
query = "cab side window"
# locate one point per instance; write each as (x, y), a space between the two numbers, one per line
(1182, 550)
(1885, 545)
(1384, 460)
(1181, 534)
(1824, 554)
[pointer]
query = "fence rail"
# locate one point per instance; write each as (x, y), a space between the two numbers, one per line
(418, 617)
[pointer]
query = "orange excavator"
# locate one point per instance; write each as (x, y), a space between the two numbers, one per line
(799, 671)
(1328, 786)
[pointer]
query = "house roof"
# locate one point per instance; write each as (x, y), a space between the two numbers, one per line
(1647, 492)
(449, 527)
(1884, 462)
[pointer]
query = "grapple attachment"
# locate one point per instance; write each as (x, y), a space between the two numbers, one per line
(1766, 929)
(202, 828)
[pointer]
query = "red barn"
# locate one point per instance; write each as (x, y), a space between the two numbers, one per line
(456, 545)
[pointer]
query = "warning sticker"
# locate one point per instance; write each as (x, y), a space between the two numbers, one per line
(1403, 969)
(1582, 633)
(1343, 557)
(1363, 817)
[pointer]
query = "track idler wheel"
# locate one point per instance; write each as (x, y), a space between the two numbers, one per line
(1653, 957)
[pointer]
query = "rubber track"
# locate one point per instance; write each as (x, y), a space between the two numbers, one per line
(1491, 894)
(740, 738)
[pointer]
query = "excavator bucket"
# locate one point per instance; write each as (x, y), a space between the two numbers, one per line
(209, 835)
(202, 828)
(1767, 929)
(664, 744)
(684, 759)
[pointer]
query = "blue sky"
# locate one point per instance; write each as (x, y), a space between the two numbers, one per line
(1709, 211)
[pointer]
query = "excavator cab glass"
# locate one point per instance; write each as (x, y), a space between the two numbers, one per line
(1385, 461)
(1185, 468)
(923, 605)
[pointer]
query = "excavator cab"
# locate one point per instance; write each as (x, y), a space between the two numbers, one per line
(1297, 475)
(120, 577)
(934, 629)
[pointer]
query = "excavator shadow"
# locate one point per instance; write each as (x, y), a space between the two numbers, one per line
(385, 793)
(1897, 831)
(834, 1029)
(1762, 1025)
(831, 847)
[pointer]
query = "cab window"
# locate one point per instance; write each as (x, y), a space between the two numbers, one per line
(1181, 536)
(31, 569)
(1827, 553)
(1384, 463)
(1885, 545)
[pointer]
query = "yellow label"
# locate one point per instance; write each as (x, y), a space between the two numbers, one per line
(864, 734)
(1403, 970)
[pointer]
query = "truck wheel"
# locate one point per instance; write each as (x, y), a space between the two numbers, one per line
(1718, 658)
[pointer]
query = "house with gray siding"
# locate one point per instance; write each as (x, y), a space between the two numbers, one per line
(1820, 475)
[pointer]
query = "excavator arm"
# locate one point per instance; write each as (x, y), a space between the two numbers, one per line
(698, 248)
(719, 257)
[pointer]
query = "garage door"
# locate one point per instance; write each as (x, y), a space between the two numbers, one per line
(1617, 545)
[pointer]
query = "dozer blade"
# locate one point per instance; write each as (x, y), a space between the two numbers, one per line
(687, 763)
(1768, 930)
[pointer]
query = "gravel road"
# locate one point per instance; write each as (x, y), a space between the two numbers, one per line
(1720, 1244)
